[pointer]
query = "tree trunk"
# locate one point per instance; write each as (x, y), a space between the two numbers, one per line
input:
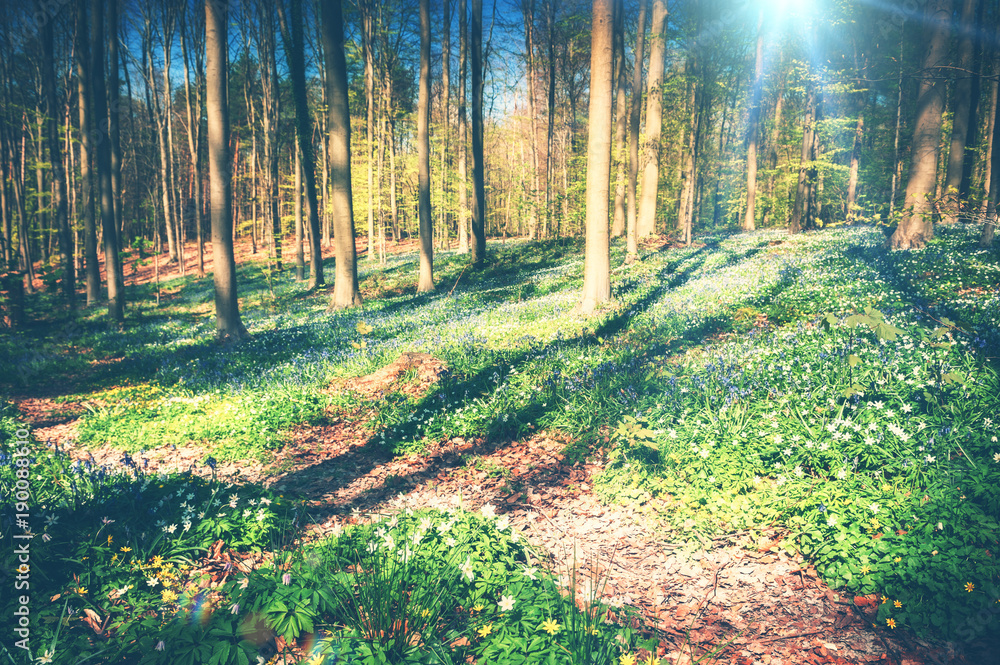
(194, 114)
(445, 117)
(426, 281)
(961, 107)
(368, 53)
(114, 135)
(917, 225)
(116, 286)
(618, 225)
(463, 174)
(61, 221)
(292, 36)
(632, 243)
(300, 259)
(801, 212)
(989, 227)
(646, 224)
(345, 290)
(91, 265)
(528, 10)
(753, 122)
(478, 164)
(597, 261)
(228, 324)
(550, 20)
(852, 177)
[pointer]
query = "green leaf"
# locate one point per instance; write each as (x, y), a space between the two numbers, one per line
(853, 360)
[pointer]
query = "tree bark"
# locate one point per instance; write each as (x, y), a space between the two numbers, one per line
(228, 324)
(114, 134)
(478, 165)
(426, 281)
(292, 36)
(445, 117)
(345, 290)
(753, 122)
(631, 240)
(300, 259)
(368, 54)
(597, 261)
(463, 174)
(801, 212)
(961, 107)
(112, 262)
(917, 225)
(618, 225)
(194, 114)
(55, 158)
(82, 48)
(646, 224)
(852, 176)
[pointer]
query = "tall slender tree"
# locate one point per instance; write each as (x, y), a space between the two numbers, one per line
(478, 163)
(426, 281)
(597, 262)
(635, 115)
(345, 289)
(228, 324)
(113, 270)
(620, 147)
(961, 111)
(463, 174)
(917, 225)
(59, 197)
(292, 34)
(82, 48)
(646, 224)
(753, 123)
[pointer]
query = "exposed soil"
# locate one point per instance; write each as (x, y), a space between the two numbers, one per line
(750, 598)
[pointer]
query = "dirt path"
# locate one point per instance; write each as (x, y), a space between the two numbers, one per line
(763, 605)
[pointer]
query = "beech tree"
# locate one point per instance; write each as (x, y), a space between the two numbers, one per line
(59, 194)
(478, 166)
(426, 280)
(646, 224)
(635, 115)
(228, 324)
(99, 103)
(597, 261)
(917, 225)
(305, 166)
(346, 292)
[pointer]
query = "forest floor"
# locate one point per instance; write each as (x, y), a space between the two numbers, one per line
(742, 597)
(727, 600)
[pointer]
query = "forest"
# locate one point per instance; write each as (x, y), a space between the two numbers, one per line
(527, 331)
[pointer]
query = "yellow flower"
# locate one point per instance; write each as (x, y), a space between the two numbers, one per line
(550, 626)
(627, 659)
(865, 570)
(891, 623)
(157, 560)
(969, 586)
(126, 549)
(82, 590)
(485, 630)
(594, 631)
(897, 559)
(425, 613)
(168, 596)
(109, 540)
(897, 604)
(884, 599)
(652, 660)
(478, 607)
